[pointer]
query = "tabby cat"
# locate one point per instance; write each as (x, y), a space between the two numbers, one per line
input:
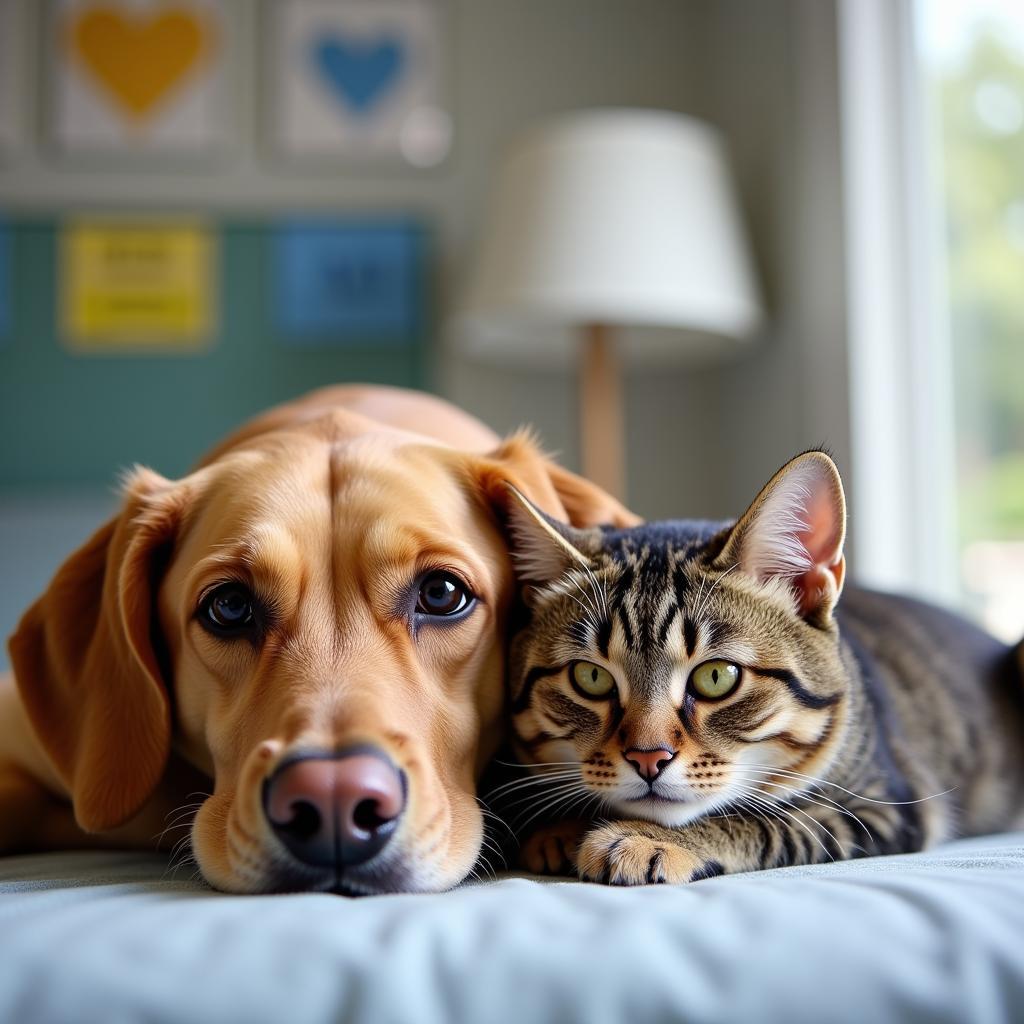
(696, 687)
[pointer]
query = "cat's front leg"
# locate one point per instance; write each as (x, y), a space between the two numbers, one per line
(640, 852)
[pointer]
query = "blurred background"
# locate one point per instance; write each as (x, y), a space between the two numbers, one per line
(208, 206)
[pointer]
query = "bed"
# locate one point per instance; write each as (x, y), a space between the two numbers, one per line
(113, 937)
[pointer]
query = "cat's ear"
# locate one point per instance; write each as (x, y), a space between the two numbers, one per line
(794, 531)
(542, 548)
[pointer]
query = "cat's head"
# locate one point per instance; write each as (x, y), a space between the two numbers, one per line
(685, 667)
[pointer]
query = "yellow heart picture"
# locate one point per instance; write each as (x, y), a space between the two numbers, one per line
(140, 57)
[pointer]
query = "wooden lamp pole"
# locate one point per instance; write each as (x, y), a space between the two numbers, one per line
(601, 419)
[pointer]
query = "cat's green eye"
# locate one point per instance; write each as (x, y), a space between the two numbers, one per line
(715, 679)
(591, 680)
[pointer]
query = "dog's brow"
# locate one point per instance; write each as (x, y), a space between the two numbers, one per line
(414, 548)
(270, 556)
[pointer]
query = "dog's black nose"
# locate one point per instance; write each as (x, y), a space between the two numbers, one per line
(335, 810)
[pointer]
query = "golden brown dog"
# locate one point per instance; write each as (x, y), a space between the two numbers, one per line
(309, 629)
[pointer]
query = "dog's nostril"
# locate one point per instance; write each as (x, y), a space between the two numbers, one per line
(305, 821)
(367, 816)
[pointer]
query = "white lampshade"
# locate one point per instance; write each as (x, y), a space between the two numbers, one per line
(618, 217)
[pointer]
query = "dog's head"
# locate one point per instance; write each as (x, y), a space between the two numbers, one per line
(316, 620)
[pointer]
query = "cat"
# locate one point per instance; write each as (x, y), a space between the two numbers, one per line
(703, 691)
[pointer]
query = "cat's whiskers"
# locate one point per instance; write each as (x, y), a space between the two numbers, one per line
(550, 808)
(789, 808)
(818, 799)
(564, 787)
(714, 586)
(524, 799)
(556, 799)
(592, 602)
(747, 806)
(770, 770)
(600, 597)
(776, 809)
(700, 593)
(759, 807)
(540, 771)
(578, 801)
(532, 782)
(588, 615)
(763, 800)
(535, 764)
(590, 612)
(838, 807)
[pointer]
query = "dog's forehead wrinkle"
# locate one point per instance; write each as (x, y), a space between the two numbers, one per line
(376, 468)
(255, 488)
(274, 557)
(268, 542)
(392, 512)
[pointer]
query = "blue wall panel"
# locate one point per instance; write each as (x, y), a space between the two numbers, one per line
(73, 418)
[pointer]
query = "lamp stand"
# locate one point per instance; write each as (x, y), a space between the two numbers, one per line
(601, 420)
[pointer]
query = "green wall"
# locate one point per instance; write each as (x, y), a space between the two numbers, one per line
(70, 418)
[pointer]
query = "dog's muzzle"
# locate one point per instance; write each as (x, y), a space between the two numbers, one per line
(335, 810)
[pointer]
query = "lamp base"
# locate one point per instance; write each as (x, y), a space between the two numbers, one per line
(601, 419)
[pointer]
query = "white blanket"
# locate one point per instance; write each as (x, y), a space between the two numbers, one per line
(928, 937)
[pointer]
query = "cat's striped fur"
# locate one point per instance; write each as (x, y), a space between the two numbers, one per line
(882, 725)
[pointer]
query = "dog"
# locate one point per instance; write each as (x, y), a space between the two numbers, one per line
(308, 631)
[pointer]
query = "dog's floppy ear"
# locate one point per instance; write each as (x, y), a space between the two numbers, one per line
(565, 496)
(85, 665)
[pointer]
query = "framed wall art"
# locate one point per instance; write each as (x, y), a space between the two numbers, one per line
(138, 76)
(358, 80)
(137, 286)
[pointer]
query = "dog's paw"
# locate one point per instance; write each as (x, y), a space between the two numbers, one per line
(552, 850)
(618, 854)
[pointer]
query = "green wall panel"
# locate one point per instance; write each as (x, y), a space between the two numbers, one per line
(67, 417)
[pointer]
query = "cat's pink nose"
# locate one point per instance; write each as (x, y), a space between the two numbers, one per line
(334, 810)
(649, 764)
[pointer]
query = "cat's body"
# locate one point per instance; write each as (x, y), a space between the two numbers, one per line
(700, 682)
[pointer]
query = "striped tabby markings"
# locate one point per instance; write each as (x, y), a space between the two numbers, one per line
(784, 564)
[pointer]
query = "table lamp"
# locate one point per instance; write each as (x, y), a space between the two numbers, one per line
(603, 220)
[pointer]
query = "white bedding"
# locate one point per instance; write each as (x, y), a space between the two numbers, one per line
(928, 937)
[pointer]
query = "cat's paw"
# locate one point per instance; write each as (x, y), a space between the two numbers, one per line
(552, 849)
(619, 854)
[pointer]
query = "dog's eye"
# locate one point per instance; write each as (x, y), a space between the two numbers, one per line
(228, 609)
(443, 594)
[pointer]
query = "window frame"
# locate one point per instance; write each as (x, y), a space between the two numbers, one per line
(903, 509)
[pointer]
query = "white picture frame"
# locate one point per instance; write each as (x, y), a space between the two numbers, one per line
(138, 77)
(358, 80)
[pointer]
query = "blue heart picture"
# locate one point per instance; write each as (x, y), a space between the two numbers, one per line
(358, 72)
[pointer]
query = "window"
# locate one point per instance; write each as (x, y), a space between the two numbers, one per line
(933, 166)
(971, 55)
